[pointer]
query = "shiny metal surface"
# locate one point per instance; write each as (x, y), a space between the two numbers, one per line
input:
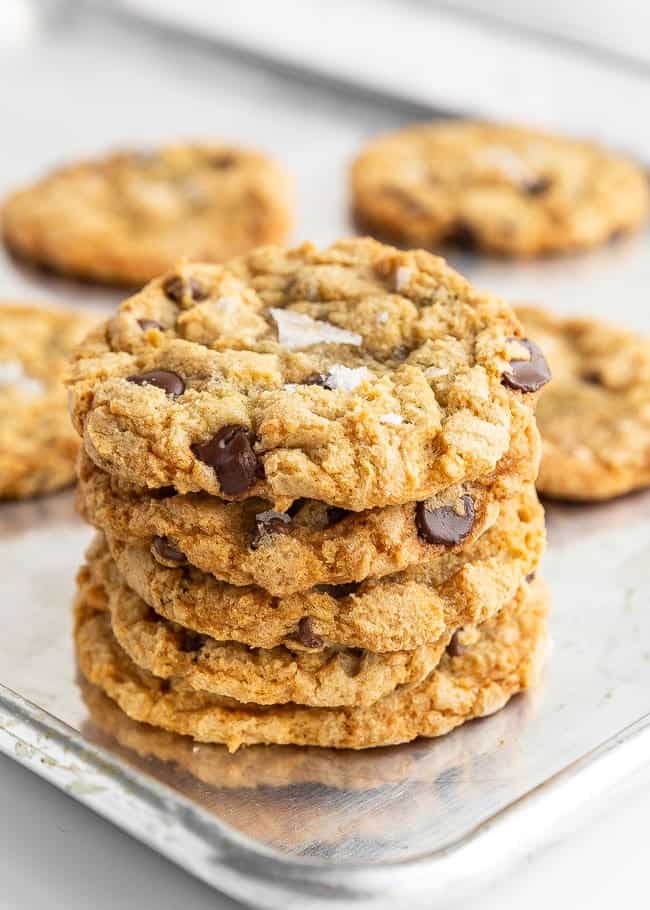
(282, 827)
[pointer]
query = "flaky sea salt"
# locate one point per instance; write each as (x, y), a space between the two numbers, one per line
(297, 331)
(12, 373)
(392, 419)
(508, 163)
(345, 378)
(402, 277)
(382, 318)
(227, 304)
(435, 372)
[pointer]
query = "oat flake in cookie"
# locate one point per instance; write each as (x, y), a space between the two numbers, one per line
(38, 445)
(130, 216)
(358, 376)
(502, 189)
(594, 416)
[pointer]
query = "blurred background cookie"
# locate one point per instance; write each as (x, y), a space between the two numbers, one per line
(38, 445)
(501, 189)
(131, 215)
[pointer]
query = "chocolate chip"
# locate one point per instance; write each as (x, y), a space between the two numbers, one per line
(164, 685)
(189, 641)
(176, 287)
(335, 515)
(593, 377)
(454, 648)
(295, 507)
(146, 324)
(463, 235)
(314, 379)
(165, 551)
(444, 525)
(531, 577)
(306, 635)
(169, 382)
(527, 375)
(223, 161)
(268, 523)
(538, 187)
(230, 453)
(617, 234)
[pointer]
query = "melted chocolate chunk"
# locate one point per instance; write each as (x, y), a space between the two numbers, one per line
(531, 577)
(462, 235)
(167, 552)
(146, 324)
(538, 187)
(176, 287)
(335, 515)
(454, 648)
(444, 525)
(169, 382)
(267, 524)
(527, 375)
(295, 507)
(230, 453)
(306, 635)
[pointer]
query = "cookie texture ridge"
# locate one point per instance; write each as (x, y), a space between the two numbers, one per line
(324, 676)
(505, 659)
(395, 613)
(38, 445)
(502, 189)
(129, 216)
(595, 416)
(358, 376)
(248, 543)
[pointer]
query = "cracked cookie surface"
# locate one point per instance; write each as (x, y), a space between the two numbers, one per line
(38, 445)
(505, 659)
(358, 376)
(395, 613)
(130, 216)
(595, 416)
(248, 543)
(503, 189)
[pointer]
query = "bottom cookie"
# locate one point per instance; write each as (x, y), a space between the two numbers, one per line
(505, 660)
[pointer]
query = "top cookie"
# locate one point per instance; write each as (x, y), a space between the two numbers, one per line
(359, 376)
(503, 189)
(130, 216)
(38, 445)
(595, 415)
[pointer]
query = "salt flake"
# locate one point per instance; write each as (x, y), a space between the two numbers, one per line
(392, 419)
(345, 378)
(402, 277)
(297, 330)
(435, 372)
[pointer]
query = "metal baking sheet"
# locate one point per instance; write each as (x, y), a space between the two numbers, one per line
(279, 826)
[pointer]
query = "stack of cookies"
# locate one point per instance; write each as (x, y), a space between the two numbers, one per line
(312, 475)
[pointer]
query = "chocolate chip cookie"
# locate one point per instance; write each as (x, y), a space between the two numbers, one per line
(323, 676)
(595, 415)
(502, 189)
(477, 681)
(285, 552)
(395, 613)
(130, 216)
(359, 376)
(38, 445)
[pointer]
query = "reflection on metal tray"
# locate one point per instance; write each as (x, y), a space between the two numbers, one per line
(275, 825)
